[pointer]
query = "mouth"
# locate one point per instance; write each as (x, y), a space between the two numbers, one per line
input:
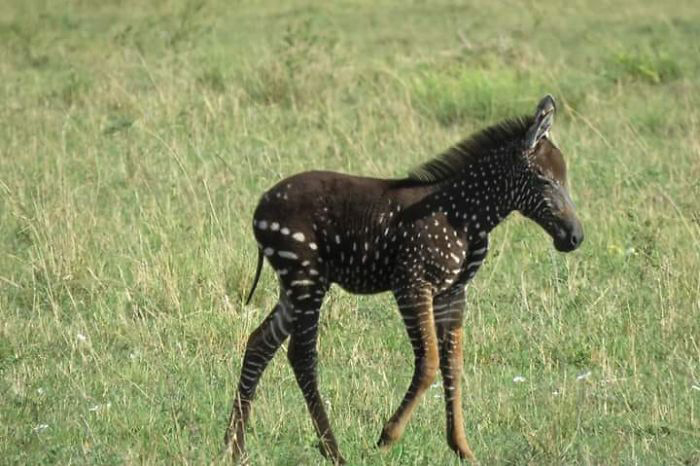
(565, 246)
(566, 240)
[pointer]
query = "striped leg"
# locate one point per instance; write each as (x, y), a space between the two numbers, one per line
(416, 310)
(302, 355)
(262, 345)
(448, 311)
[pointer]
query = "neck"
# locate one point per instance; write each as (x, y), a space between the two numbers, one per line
(479, 197)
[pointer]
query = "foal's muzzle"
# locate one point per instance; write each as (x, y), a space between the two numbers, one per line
(568, 235)
(564, 226)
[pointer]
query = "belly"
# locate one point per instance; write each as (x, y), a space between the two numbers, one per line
(362, 278)
(363, 289)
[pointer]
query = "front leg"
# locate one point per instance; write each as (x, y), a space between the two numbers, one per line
(417, 312)
(448, 310)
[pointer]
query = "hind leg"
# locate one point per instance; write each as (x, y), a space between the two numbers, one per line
(302, 356)
(448, 312)
(262, 345)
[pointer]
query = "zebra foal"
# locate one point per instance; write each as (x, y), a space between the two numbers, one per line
(422, 238)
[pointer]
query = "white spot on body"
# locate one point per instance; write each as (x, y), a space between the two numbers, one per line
(302, 282)
(299, 236)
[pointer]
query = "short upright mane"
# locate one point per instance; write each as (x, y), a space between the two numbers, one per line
(483, 143)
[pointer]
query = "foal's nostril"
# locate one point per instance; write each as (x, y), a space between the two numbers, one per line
(576, 239)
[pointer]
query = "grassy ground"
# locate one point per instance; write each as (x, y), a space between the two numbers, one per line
(135, 140)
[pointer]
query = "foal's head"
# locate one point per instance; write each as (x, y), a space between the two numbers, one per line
(546, 198)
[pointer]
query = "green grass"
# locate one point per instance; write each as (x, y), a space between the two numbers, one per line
(135, 141)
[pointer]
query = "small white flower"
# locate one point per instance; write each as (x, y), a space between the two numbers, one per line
(556, 393)
(99, 407)
(40, 427)
(40, 391)
(519, 379)
(81, 337)
(583, 375)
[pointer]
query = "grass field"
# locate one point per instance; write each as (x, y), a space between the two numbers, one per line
(135, 141)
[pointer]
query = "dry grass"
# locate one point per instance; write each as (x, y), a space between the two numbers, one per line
(136, 139)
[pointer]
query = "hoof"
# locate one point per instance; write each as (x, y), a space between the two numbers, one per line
(333, 456)
(235, 449)
(386, 440)
(458, 444)
(465, 454)
(232, 455)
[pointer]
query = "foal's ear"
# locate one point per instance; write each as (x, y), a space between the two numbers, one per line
(544, 117)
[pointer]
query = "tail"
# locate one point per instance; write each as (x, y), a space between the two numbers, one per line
(257, 276)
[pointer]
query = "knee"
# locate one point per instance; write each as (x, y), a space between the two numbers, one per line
(253, 341)
(428, 370)
(256, 342)
(301, 356)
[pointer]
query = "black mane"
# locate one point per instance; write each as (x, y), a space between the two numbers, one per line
(483, 143)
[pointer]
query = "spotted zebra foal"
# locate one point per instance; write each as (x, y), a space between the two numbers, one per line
(422, 238)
